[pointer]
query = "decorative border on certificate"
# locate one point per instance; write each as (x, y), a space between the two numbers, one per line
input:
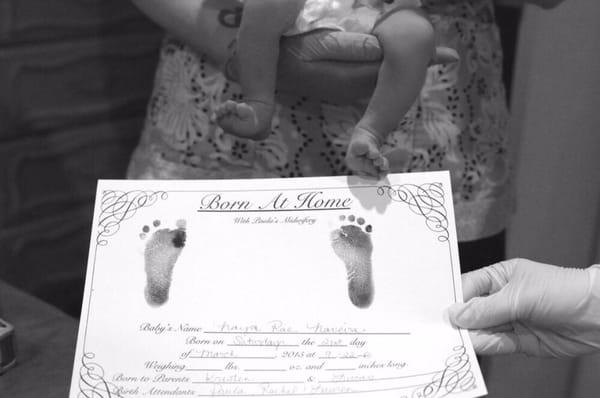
(118, 206)
(457, 376)
(91, 379)
(425, 200)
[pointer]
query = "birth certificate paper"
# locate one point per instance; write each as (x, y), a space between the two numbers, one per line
(299, 287)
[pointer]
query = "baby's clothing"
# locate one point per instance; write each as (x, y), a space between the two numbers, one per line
(346, 15)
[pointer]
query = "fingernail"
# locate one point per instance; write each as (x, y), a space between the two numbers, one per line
(456, 314)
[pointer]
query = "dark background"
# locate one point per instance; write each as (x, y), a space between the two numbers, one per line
(74, 81)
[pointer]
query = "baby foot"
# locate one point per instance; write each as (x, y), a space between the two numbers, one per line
(160, 255)
(250, 119)
(353, 246)
(364, 157)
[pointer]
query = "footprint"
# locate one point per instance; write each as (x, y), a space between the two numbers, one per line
(160, 255)
(352, 244)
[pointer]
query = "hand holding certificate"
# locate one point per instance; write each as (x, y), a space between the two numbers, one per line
(282, 287)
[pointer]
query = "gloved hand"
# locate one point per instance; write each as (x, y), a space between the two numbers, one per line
(533, 308)
(332, 65)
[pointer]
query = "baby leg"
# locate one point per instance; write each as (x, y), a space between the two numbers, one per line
(263, 24)
(407, 39)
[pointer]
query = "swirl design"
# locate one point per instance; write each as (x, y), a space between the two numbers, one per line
(426, 200)
(456, 377)
(117, 206)
(91, 380)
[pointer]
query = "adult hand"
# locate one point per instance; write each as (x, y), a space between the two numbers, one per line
(333, 65)
(330, 65)
(533, 308)
(337, 66)
(325, 64)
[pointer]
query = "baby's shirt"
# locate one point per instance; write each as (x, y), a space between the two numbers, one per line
(347, 15)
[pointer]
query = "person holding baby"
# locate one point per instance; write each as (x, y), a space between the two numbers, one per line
(274, 88)
(326, 79)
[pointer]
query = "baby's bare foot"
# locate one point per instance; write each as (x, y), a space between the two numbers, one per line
(363, 156)
(251, 119)
(161, 254)
(352, 244)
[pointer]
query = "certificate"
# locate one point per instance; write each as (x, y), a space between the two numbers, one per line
(328, 286)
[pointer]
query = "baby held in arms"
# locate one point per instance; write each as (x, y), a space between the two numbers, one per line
(405, 35)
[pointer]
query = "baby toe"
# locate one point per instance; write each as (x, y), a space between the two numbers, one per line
(244, 111)
(358, 148)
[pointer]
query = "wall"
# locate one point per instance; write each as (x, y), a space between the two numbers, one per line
(75, 76)
(556, 125)
(555, 108)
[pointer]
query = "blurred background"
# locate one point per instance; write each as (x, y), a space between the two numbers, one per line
(75, 77)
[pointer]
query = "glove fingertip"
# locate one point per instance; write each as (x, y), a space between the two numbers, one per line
(456, 314)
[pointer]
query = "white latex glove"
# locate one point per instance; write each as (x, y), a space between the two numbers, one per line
(533, 308)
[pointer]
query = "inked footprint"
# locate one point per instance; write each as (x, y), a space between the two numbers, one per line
(160, 255)
(353, 246)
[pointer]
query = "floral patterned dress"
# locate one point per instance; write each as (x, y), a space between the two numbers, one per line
(458, 123)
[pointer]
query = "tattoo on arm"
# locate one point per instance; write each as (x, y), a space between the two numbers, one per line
(231, 18)
(230, 69)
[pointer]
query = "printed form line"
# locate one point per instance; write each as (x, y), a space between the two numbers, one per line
(217, 357)
(249, 382)
(319, 393)
(263, 345)
(203, 370)
(379, 378)
(265, 370)
(320, 381)
(316, 333)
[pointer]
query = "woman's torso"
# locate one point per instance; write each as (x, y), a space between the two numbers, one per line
(457, 123)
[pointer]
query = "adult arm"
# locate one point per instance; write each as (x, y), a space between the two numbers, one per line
(204, 25)
(335, 66)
